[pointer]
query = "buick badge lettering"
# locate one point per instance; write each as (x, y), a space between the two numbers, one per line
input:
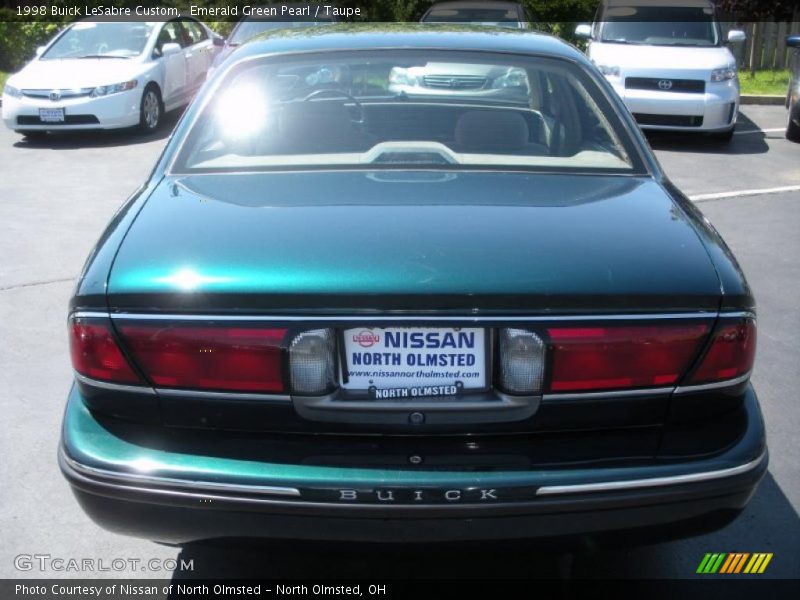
(415, 496)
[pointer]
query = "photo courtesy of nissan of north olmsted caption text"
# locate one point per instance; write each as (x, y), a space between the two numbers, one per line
(324, 293)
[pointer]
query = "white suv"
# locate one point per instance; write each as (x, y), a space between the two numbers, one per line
(668, 62)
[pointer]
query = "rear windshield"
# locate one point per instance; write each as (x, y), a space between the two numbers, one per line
(660, 26)
(406, 108)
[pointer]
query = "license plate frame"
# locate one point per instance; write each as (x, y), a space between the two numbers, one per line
(52, 115)
(359, 385)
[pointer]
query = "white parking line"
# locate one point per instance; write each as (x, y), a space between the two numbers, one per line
(740, 193)
(746, 131)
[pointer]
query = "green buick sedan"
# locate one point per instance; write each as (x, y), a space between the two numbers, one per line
(344, 308)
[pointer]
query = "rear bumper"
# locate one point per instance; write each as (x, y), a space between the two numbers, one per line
(177, 503)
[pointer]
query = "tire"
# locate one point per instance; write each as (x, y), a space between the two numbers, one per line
(33, 135)
(151, 110)
(792, 128)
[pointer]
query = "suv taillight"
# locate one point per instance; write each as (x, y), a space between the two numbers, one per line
(95, 353)
(612, 357)
(730, 354)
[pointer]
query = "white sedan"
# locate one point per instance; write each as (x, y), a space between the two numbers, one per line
(109, 75)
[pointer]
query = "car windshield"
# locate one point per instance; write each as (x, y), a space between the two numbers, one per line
(388, 109)
(253, 27)
(101, 40)
(476, 16)
(660, 26)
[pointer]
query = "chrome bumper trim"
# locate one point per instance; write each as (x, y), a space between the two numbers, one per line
(689, 389)
(608, 486)
(171, 482)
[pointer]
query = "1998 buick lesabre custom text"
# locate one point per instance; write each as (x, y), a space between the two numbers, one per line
(339, 311)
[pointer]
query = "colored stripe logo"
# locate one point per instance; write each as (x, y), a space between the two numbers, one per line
(732, 563)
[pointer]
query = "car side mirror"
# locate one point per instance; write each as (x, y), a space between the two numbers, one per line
(793, 41)
(170, 48)
(218, 41)
(40, 50)
(583, 31)
(736, 36)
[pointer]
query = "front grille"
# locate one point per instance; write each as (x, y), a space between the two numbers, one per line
(454, 82)
(68, 120)
(60, 94)
(664, 84)
(668, 120)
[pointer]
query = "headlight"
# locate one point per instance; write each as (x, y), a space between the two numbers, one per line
(514, 78)
(105, 90)
(401, 76)
(10, 90)
(724, 74)
(609, 71)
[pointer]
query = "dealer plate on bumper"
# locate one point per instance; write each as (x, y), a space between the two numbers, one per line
(410, 362)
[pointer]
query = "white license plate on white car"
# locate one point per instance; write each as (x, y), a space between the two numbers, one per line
(51, 115)
(414, 362)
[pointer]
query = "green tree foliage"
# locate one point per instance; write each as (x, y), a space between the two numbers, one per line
(759, 10)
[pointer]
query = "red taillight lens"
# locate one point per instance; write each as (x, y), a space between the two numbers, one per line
(95, 354)
(731, 354)
(209, 358)
(619, 357)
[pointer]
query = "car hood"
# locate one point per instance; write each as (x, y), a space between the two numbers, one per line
(658, 58)
(402, 240)
(75, 73)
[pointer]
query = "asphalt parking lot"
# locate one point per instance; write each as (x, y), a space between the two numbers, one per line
(55, 199)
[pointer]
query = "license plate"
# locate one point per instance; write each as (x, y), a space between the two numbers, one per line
(409, 362)
(51, 115)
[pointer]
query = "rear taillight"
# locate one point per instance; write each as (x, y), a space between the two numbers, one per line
(239, 359)
(621, 357)
(95, 353)
(731, 353)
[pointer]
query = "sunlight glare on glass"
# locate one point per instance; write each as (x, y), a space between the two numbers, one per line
(242, 110)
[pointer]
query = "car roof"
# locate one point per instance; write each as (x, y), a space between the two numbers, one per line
(383, 36)
(661, 3)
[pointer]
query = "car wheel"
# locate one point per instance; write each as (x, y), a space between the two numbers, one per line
(151, 110)
(792, 128)
(32, 135)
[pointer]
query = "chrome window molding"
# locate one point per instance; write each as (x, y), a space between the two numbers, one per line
(606, 486)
